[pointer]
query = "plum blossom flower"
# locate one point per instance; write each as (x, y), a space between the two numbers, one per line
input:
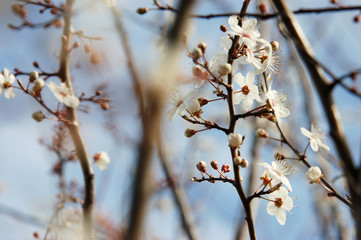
(6, 80)
(248, 92)
(277, 172)
(249, 27)
(315, 137)
(314, 174)
(101, 159)
(278, 102)
(178, 103)
(280, 202)
(63, 94)
(235, 139)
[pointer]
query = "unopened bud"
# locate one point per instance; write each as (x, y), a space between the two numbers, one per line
(272, 118)
(237, 160)
(202, 167)
(202, 101)
(33, 76)
(142, 10)
(275, 45)
(223, 28)
(226, 168)
(189, 132)
(279, 156)
(98, 93)
(76, 45)
(356, 19)
(244, 163)
(197, 71)
(225, 68)
(87, 48)
(36, 64)
(19, 9)
(275, 188)
(260, 132)
(38, 85)
(54, 11)
(94, 58)
(36, 235)
(203, 46)
(262, 8)
(197, 53)
(104, 106)
(38, 116)
(214, 164)
(47, 1)
(235, 140)
(58, 23)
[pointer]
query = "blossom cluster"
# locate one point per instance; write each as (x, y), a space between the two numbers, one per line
(234, 74)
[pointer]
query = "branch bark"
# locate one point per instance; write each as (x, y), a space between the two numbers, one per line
(73, 125)
(324, 90)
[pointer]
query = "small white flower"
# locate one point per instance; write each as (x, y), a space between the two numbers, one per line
(278, 102)
(6, 80)
(280, 203)
(216, 61)
(277, 172)
(101, 159)
(314, 174)
(248, 92)
(63, 94)
(178, 103)
(315, 137)
(235, 139)
(249, 27)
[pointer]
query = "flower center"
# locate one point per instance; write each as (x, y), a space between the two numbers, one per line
(278, 202)
(6, 84)
(63, 94)
(245, 90)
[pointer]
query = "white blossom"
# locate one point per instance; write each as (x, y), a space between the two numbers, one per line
(178, 103)
(278, 102)
(248, 92)
(63, 94)
(235, 139)
(313, 174)
(249, 27)
(101, 159)
(194, 106)
(315, 136)
(280, 203)
(6, 80)
(277, 172)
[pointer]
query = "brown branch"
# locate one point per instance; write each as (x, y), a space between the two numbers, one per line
(156, 94)
(263, 16)
(324, 91)
(213, 180)
(73, 125)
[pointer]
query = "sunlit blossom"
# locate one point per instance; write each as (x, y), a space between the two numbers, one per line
(278, 172)
(248, 91)
(6, 80)
(279, 204)
(315, 136)
(63, 94)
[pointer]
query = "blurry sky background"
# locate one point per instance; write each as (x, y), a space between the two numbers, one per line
(28, 185)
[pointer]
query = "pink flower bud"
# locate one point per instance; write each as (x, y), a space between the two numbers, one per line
(189, 132)
(226, 168)
(202, 167)
(260, 132)
(214, 164)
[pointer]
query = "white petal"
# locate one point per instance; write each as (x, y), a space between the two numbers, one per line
(287, 203)
(306, 133)
(226, 43)
(171, 113)
(233, 22)
(287, 183)
(9, 93)
(314, 144)
(281, 216)
(71, 101)
(272, 209)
